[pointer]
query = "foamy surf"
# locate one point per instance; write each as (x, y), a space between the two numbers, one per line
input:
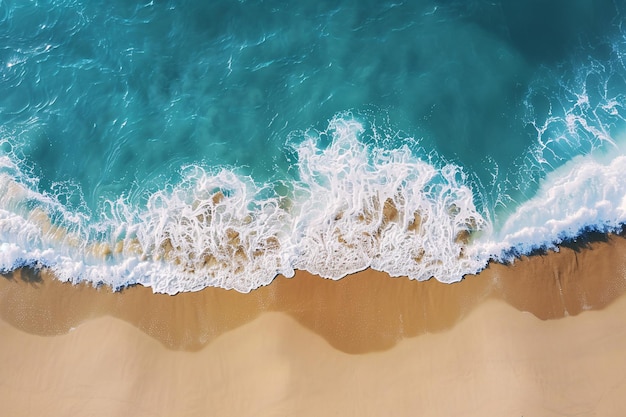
(353, 207)
(584, 194)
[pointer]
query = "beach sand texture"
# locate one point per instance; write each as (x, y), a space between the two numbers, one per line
(513, 340)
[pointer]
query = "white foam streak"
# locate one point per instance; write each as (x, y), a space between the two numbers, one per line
(360, 207)
(582, 194)
(217, 231)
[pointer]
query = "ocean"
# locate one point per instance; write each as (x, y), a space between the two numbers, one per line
(184, 144)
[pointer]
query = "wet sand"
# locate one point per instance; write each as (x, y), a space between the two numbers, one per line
(544, 336)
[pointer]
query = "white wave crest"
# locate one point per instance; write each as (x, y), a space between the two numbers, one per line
(383, 209)
(353, 207)
(584, 193)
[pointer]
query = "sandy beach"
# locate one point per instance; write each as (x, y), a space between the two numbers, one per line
(313, 208)
(542, 337)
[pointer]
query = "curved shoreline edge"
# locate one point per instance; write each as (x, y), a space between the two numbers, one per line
(364, 312)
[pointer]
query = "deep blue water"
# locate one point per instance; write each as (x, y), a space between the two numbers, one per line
(181, 144)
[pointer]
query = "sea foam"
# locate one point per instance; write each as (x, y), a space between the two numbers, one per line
(379, 208)
(352, 205)
(583, 194)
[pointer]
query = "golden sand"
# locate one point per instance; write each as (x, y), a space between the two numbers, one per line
(364, 345)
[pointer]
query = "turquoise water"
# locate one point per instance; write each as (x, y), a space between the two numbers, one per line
(184, 144)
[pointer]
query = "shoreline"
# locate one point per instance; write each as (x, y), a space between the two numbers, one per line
(364, 312)
(508, 341)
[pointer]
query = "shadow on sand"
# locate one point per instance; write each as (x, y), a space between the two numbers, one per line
(364, 312)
